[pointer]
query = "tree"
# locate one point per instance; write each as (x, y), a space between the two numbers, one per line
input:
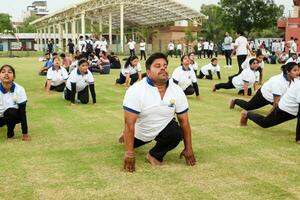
(146, 32)
(250, 15)
(5, 23)
(214, 28)
(26, 27)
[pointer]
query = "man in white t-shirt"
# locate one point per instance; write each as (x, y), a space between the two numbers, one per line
(103, 46)
(143, 49)
(241, 48)
(178, 49)
(131, 46)
(149, 109)
(171, 47)
(81, 45)
(199, 49)
(205, 48)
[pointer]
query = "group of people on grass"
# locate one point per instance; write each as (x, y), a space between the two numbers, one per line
(155, 97)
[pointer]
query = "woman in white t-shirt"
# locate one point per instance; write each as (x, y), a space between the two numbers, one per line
(80, 81)
(271, 91)
(207, 71)
(193, 63)
(244, 81)
(131, 70)
(288, 108)
(56, 77)
(13, 102)
(143, 49)
(185, 77)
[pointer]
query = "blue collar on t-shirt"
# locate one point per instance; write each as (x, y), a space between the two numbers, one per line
(54, 68)
(2, 89)
(285, 77)
(78, 72)
(150, 82)
(185, 69)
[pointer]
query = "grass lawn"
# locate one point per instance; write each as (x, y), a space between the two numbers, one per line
(74, 153)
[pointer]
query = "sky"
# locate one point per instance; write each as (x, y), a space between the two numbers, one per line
(15, 8)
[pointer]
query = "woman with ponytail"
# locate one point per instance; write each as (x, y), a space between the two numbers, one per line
(271, 91)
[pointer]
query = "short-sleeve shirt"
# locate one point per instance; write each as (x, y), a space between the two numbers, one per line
(82, 46)
(248, 75)
(103, 46)
(194, 66)
(246, 63)
(171, 46)
(227, 43)
(48, 63)
(210, 67)
(142, 46)
(131, 45)
(275, 86)
(57, 77)
(12, 99)
(205, 45)
(131, 69)
(81, 80)
(291, 99)
(154, 113)
(241, 43)
(184, 77)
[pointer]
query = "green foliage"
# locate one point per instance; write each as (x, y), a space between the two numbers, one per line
(5, 23)
(146, 32)
(26, 27)
(250, 15)
(214, 28)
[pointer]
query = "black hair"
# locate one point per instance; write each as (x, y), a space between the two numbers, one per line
(81, 61)
(10, 67)
(252, 61)
(182, 57)
(153, 57)
(46, 54)
(86, 37)
(191, 54)
(62, 55)
(258, 53)
(128, 61)
(288, 67)
(240, 32)
(54, 54)
(81, 37)
(56, 57)
(212, 60)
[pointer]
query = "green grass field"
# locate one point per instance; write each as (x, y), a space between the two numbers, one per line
(74, 153)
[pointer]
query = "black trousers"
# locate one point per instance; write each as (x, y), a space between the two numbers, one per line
(240, 60)
(210, 53)
(201, 75)
(10, 118)
(199, 53)
(205, 52)
(277, 116)
(189, 90)
(171, 53)
(58, 88)
(227, 85)
(257, 101)
(97, 51)
(143, 54)
(83, 95)
(134, 78)
(132, 52)
(228, 57)
(166, 140)
(178, 53)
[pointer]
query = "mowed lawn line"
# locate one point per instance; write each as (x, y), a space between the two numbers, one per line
(74, 152)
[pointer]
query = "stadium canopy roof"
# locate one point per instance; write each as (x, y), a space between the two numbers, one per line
(120, 14)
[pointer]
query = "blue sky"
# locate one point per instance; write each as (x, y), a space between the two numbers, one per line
(16, 7)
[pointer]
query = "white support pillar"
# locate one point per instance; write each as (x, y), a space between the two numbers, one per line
(38, 39)
(45, 39)
(92, 26)
(100, 25)
(60, 37)
(110, 27)
(49, 33)
(83, 24)
(66, 35)
(74, 31)
(122, 27)
(54, 37)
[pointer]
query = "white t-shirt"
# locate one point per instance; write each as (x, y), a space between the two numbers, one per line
(199, 46)
(57, 77)
(142, 46)
(210, 67)
(247, 75)
(275, 86)
(171, 46)
(154, 113)
(241, 43)
(246, 63)
(82, 46)
(131, 45)
(289, 102)
(184, 77)
(12, 99)
(81, 80)
(291, 60)
(97, 44)
(205, 45)
(103, 46)
(294, 47)
(131, 69)
(194, 66)
(179, 47)
(211, 46)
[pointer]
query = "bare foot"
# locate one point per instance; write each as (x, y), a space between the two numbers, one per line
(244, 118)
(26, 137)
(153, 161)
(121, 138)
